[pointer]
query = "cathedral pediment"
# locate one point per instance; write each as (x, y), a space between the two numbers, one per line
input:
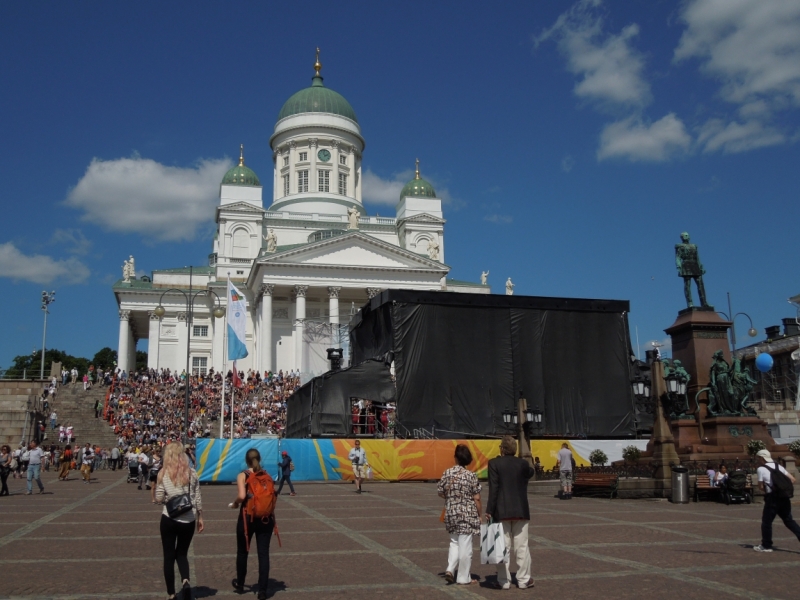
(240, 207)
(353, 250)
(423, 218)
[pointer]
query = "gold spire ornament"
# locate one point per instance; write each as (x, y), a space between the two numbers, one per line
(317, 64)
(241, 155)
(416, 176)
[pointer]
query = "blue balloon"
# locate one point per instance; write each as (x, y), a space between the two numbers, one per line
(764, 362)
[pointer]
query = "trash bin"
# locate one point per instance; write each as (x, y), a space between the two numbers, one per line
(680, 485)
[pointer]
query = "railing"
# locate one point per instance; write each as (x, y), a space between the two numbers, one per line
(647, 470)
(366, 220)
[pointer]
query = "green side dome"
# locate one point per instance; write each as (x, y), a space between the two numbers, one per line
(317, 99)
(418, 187)
(240, 175)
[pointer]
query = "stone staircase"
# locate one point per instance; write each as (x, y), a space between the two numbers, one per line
(75, 407)
(17, 397)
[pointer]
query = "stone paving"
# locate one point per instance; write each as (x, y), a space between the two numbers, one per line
(102, 541)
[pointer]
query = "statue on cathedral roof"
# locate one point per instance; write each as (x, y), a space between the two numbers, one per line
(352, 218)
(509, 287)
(484, 277)
(272, 241)
(128, 270)
(433, 250)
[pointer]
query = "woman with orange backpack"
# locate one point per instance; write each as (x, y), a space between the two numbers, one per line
(256, 500)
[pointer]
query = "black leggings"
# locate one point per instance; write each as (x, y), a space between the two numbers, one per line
(176, 537)
(4, 472)
(263, 533)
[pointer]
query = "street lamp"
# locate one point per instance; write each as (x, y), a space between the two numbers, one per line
(47, 300)
(218, 312)
(751, 332)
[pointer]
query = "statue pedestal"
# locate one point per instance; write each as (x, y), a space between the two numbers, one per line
(721, 438)
(696, 335)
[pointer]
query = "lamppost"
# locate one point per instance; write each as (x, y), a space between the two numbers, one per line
(751, 332)
(519, 418)
(218, 312)
(47, 300)
(655, 394)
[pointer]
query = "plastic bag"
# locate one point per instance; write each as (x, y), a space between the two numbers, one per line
(369, 472)
(493, 544)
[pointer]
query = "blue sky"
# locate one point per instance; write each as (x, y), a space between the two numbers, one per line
(572, 142)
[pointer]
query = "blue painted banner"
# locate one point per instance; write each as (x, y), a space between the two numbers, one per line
(222, 460)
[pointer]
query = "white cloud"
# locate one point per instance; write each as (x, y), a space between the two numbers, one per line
(567, 163)
(498, 219)
(139, 195)
(38, 268)
(737, 137)
(611, 69)
(753, 48)
(635, 140)
(74, 239)
(377, 190)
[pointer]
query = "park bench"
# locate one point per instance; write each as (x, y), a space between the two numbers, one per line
(703, 486)
(595, 484)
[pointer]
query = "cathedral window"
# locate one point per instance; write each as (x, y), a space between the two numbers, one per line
(303, 156)
(285, 185)
(324, 181)
(302, 181)
(199, 365)
(200, 331)
(343, 159)
(285, 161)
(342, 184)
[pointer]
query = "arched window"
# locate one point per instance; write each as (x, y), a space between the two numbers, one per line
(241, 243)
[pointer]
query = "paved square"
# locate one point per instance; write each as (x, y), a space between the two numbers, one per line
(102, 541)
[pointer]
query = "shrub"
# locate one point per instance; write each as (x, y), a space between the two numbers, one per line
(598, 458)
(631, 454)
(753, 446)
(794, 448)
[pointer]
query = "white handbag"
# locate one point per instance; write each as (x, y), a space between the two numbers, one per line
(493, 544)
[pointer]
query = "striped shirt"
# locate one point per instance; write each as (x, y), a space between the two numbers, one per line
(166, 490)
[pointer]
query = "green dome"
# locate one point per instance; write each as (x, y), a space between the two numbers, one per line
(317, 99)
(418, 187)
(240, 175)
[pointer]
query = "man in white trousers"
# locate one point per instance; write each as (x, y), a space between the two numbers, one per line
(508, 505)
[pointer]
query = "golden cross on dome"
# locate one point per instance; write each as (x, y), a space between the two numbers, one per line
(317, 64)
(417, 174)
(241, 155)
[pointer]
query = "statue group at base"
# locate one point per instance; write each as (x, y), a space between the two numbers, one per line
(729, 388)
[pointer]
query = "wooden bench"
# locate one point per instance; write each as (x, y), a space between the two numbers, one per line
(703, 486)
(595, 483)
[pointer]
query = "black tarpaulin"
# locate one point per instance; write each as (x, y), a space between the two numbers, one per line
(323, 405)
(462, 359)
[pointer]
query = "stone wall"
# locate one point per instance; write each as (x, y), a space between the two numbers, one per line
(14, 396)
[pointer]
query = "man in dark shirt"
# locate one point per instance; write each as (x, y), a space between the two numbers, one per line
(286, 473)
(508, 504)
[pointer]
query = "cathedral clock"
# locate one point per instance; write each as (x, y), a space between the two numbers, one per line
(324, 155)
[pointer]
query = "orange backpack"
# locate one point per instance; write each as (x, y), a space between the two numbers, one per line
(261, 500)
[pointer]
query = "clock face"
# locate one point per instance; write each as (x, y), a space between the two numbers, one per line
(324, 155)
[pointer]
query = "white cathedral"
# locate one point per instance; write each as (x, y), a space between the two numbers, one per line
(304, 264)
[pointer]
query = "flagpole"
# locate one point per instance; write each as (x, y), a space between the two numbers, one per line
(224, 363)
(233, 393)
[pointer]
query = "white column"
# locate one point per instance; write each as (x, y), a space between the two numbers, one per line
(124, 333)
(218, 327)
(313, 184)
(265, 335)
(153, 340)
(131, 351)
(183, 336)
(299, 319)
(333, 309)
(292, 169)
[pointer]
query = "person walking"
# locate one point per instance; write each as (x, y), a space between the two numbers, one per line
(253, 494)
(564, 459)
(177, 479)
(358, 458)
(87, 460)
(114, 458)
(53, 420)
(35, 455)
(462, 515)
(66, 463)
(154, 474)
(5, 467)
(286, 473)
(773, 505)
(508, 505)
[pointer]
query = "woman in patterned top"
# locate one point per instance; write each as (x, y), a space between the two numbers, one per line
(462, 515)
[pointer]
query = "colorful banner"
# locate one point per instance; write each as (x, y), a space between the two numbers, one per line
(237, 323)
(391, 460)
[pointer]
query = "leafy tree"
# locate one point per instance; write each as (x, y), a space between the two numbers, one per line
(30, 364)
(598, 458)
(105, 358)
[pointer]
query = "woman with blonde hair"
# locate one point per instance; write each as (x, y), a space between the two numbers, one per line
(178, 488)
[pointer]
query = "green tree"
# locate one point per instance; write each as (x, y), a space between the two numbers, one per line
(105, 358)
(30, 364)
(141, 359)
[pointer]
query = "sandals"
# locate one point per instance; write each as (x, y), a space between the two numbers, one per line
(449, 577)
(527, 585)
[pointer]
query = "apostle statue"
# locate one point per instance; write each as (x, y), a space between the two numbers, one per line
(272, 241)
(132, 267)
(509, 287)
(484, 277)
(352, 218)
(433, 250)
(128, 270)
(687, 260)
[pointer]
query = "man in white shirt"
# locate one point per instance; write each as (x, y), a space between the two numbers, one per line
(86, 463)
(773, 505)
(35, 467)
(358, 457)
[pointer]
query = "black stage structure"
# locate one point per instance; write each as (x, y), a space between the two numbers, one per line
(462, 359)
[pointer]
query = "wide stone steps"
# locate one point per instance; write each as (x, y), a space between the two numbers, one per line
(75, 407)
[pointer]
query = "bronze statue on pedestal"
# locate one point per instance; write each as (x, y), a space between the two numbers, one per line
(687, 260)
